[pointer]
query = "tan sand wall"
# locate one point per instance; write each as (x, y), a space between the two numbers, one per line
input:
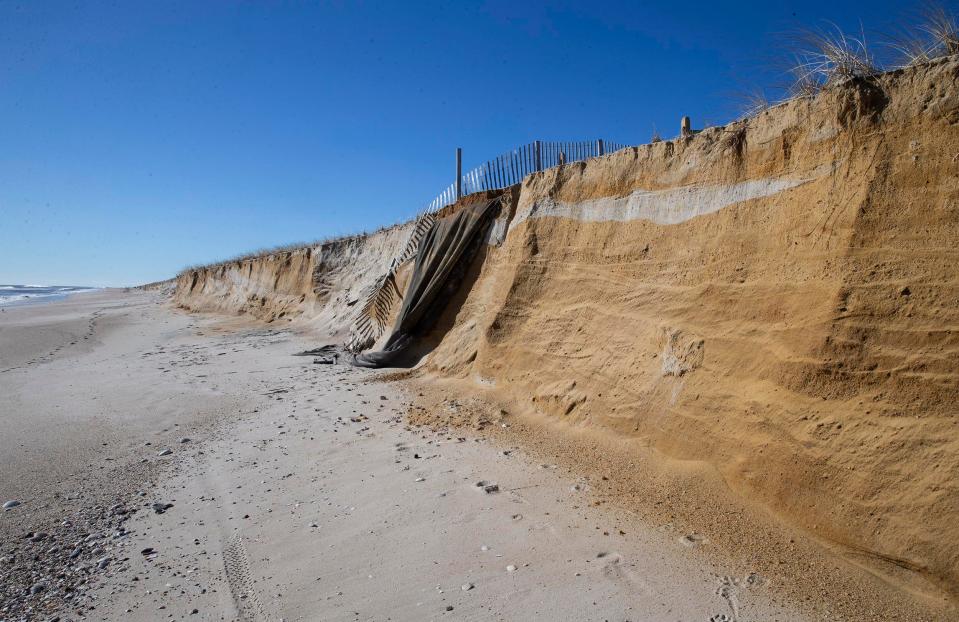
(777, 298)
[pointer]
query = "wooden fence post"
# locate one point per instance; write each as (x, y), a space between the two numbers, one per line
(459, 173)
(599, 147)
(539, 156)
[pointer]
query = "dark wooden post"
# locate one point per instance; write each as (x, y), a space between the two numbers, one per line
(539, 156)
(459, 173)
(599, 147)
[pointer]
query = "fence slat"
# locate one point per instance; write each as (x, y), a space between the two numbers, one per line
(513, 166)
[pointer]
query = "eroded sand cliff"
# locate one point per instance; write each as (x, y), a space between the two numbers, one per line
(776, 298)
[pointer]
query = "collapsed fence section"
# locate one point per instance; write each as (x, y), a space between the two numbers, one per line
(501, 172)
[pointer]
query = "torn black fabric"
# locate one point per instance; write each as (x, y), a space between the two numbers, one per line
(439, 252)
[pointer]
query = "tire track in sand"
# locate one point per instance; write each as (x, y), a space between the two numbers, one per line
(236, 564)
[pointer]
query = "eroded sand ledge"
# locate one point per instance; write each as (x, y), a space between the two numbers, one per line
(796, 273)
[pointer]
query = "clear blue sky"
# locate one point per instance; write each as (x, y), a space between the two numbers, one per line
(140, 137)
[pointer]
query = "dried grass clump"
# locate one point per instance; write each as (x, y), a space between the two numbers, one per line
(829, 57)
(936, 36)
(753, 103)
(286, 248)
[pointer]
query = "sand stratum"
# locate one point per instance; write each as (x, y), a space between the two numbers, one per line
(775, 299)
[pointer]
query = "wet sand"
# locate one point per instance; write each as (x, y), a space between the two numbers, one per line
(300, 493)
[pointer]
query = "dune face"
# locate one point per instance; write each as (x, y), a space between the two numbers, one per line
(318, 287)
(777, 298)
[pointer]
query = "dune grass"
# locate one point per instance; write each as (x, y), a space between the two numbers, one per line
(287, 248)
(935, 36)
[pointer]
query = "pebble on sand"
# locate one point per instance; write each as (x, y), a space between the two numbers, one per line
(467, 587)
(511, 568)
(9, 505)
(184, 440)
(165, 452)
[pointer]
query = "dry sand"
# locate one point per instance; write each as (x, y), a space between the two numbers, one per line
(301, 494)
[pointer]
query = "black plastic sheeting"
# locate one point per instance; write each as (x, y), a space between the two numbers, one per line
(439, 253)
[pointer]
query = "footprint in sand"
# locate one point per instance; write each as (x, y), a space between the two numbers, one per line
(754, 579)
(727, 590)
(692, 540)
(616, 570)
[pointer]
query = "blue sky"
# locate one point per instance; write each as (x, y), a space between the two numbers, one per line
(137, 138)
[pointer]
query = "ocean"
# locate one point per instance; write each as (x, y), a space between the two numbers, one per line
(31, 294)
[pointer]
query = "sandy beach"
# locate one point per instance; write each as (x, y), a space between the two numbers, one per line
(177, 467)
(289, 334)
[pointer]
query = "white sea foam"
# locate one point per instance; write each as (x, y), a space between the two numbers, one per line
(30, 294)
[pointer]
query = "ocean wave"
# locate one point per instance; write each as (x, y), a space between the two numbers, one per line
(28, 294)
(15, 297)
